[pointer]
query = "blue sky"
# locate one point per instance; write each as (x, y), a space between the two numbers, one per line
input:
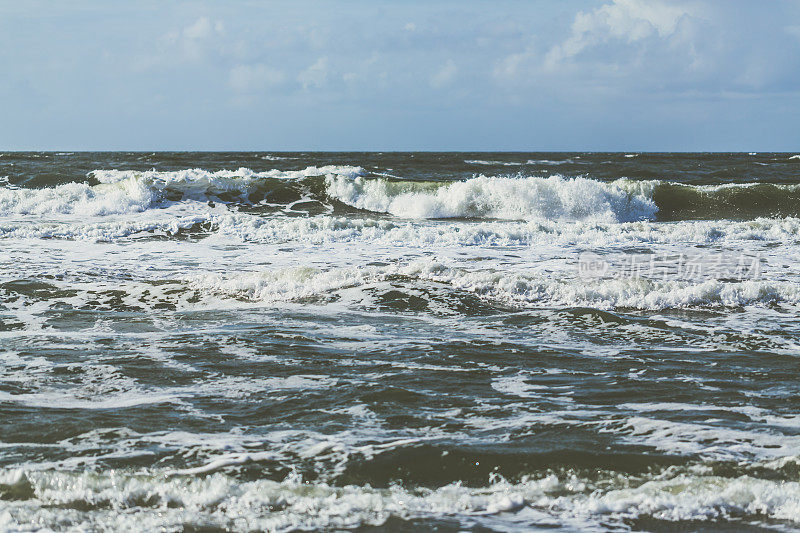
(411, 75)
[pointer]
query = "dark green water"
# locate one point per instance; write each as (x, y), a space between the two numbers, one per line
(483, 342)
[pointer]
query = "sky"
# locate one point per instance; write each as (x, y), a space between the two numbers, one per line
(606, 75)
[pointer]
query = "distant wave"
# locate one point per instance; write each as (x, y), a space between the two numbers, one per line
(492, 162)
(516, 163)
(549, 161)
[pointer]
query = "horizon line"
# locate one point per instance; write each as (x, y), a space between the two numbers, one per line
(394, 151)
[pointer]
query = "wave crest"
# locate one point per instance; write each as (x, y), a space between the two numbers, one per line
(130, 191)
(510, 198)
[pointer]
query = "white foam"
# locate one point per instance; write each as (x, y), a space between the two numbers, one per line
(330, 229)
(224, 462)
(531, 198)
(77, 198)
(707, 440)
(165, 502)
(688, 497)
(637, 293)
(68, 401)
(540, 270)
(518, 385)
(513, 289)
(105, 230)
(285, 284)
(242, 387)
(670, 406)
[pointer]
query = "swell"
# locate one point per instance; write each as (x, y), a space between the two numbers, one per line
(348, 189)
(747, 201)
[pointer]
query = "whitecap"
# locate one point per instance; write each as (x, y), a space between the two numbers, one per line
(531, 198)
(548, 161)
(492, 162)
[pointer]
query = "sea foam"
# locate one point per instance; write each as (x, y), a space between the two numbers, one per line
(519, 290)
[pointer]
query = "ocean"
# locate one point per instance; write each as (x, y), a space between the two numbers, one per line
(399, 341)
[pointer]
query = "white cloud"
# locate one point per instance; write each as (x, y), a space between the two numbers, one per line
(253, 78)
(193, 42)
(510, 66)
(626, 21)
(445, 75)
(199, 30)
(314, 76)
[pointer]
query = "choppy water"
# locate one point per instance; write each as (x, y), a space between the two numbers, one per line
(241, 341)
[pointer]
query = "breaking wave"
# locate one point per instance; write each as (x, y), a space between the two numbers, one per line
(125, 191)
(156, 501)
(344, 188)
(509, 198)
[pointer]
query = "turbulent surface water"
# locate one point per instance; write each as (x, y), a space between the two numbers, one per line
(486, 342)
